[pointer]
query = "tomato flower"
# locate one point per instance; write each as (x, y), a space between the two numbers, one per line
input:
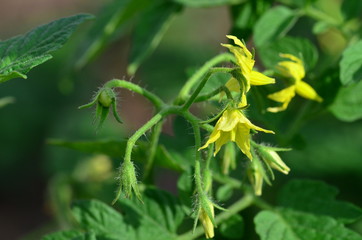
(293, 69)
(233, 126)
(245, 61)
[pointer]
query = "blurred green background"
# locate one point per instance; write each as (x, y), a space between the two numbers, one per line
(46, 107)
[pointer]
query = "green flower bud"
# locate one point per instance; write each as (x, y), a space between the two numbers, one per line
(206, 220)
(207, 180)
(272, 158)
(127, 181)
(106, 97)
(256, 175)
(104, 100)
(228, 160)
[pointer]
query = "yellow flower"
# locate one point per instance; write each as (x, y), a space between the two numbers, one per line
(206, 221)
(246, 63)
(233, 126)
(293, 69)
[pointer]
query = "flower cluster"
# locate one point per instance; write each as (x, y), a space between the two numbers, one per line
(234, 126)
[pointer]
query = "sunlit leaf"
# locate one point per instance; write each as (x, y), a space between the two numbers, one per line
(317, 198)
(273, 24)
(351, 64)
(347, 104)
(285, 224)
(299, 47)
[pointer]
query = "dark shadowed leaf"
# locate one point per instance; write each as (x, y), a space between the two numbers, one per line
(20, 54)
(149, 32)
(317, 198)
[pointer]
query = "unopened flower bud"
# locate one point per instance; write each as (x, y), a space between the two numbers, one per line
(206, 218)
(106, 97)
(128, 181)
(272, 158)
(256, 175)
(228, 160)
(207, 180)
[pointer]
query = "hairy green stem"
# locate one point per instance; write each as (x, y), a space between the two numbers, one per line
(148, 125)
(214, 93)
(195, 126)
(243, 203)
(202, 85)
(152, 151)
(156, 101)
(191, 82)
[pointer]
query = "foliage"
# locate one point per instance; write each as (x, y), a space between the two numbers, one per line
(241, 119)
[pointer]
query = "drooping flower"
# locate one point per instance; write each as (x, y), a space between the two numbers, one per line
(246, 62)
(294, 69)
(233, 126)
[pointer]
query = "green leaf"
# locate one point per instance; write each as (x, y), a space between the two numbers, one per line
(157, 218)
(185, 189)
(317, 198)
(149, 32)
(233, 227)
(112, 148)
(244, 17)
(110, 23)
(101, 219)
(351, 64)
(347, 104)
(351, 9)
(208, 3)
(274, 24)
(224, 193)
(63, 235)
(321, 27)
(20, 54)
(299, 47)
(286, 224)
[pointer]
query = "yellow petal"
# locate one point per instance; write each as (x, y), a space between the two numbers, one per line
(215, 135)
(224, 138)
(243, 102)
(291, 57)
(243, 139)
(249, 125)
(245, 63)
(291, 70)
(240, 44)
(284, 95)
(228, 120)
(257, 78)
(233, 85)
(306, 91)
